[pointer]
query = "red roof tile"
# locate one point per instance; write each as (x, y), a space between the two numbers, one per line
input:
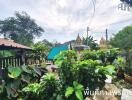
(11, 43)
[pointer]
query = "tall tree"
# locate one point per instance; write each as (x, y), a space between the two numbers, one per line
(123, 39)
(21, 28)
(40, 50)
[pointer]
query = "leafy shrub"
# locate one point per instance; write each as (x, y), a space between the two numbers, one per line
(88, 75)
(111, 55)
(76, 90)
(31, 91)
(47, 89)
(66, 61)
(16, 79)
(87, 54)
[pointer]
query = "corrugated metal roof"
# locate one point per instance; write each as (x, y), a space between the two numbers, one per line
(56, 50)
(12, 44)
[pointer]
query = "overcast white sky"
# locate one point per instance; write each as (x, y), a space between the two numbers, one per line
(62, 20)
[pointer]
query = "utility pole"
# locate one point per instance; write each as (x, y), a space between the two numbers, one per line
(87, 34)
(106, 34)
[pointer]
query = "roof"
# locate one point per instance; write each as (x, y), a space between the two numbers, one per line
(56, 50)
(78, 39)
(102, 40)
(10, 44)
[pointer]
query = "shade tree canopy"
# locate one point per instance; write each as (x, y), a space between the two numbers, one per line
(123, 39)
(21, 28)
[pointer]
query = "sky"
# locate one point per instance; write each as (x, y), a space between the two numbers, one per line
(63, 20)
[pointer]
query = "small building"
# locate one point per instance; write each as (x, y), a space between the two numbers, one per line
(79, 40)
(16, 60)
(78, 45)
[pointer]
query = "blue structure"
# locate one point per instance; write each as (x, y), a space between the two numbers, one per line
(56, 50)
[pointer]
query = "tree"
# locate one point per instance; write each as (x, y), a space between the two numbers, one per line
(21, 28)
(123, 39)
(40, 50)
(90, 42)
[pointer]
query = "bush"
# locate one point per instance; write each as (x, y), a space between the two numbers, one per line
(89, 73)
(66, 61)
(92, 75)
(48, 88)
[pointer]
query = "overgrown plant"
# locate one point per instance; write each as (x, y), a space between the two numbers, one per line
(47, 89)
(15, 79)
(75, 92)
(92, 75)
(66, 61)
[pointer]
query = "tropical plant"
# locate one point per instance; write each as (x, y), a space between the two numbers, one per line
(49, 86)
(87, 54)
(87, 76)
(101, 55)
(111, 54)
(15, 79)
(47, 89)
(66, 61)
(120, 63)
(91, 43)
(31, 91)
(75, 92)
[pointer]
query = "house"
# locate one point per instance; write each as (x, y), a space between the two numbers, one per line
(78, 45)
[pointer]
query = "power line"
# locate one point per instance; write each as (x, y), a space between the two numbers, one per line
(94, 4)
(119, 22)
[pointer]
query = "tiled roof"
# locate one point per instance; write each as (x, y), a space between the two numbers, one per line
(12, 44)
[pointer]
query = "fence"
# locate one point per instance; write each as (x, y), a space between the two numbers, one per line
(10, 61)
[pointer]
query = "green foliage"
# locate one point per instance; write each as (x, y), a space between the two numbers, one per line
(15, 80)
(6, 53)
(112, 54)
(123, 39)
(32, 88)
(87, 72)
(47, 88)
(106, 56)
(120, 63)
(107, 70)
(40, 51)
(21, 28)
(66, 61)
(91, 43)
(87, 75)
(87, 54)
(32, 91)
(14, 72)
(76, 90)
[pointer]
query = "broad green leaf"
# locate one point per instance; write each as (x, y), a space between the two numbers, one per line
(79, 87)
(14, 72)
(79, 95)
(25, 69)
(69, 91)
